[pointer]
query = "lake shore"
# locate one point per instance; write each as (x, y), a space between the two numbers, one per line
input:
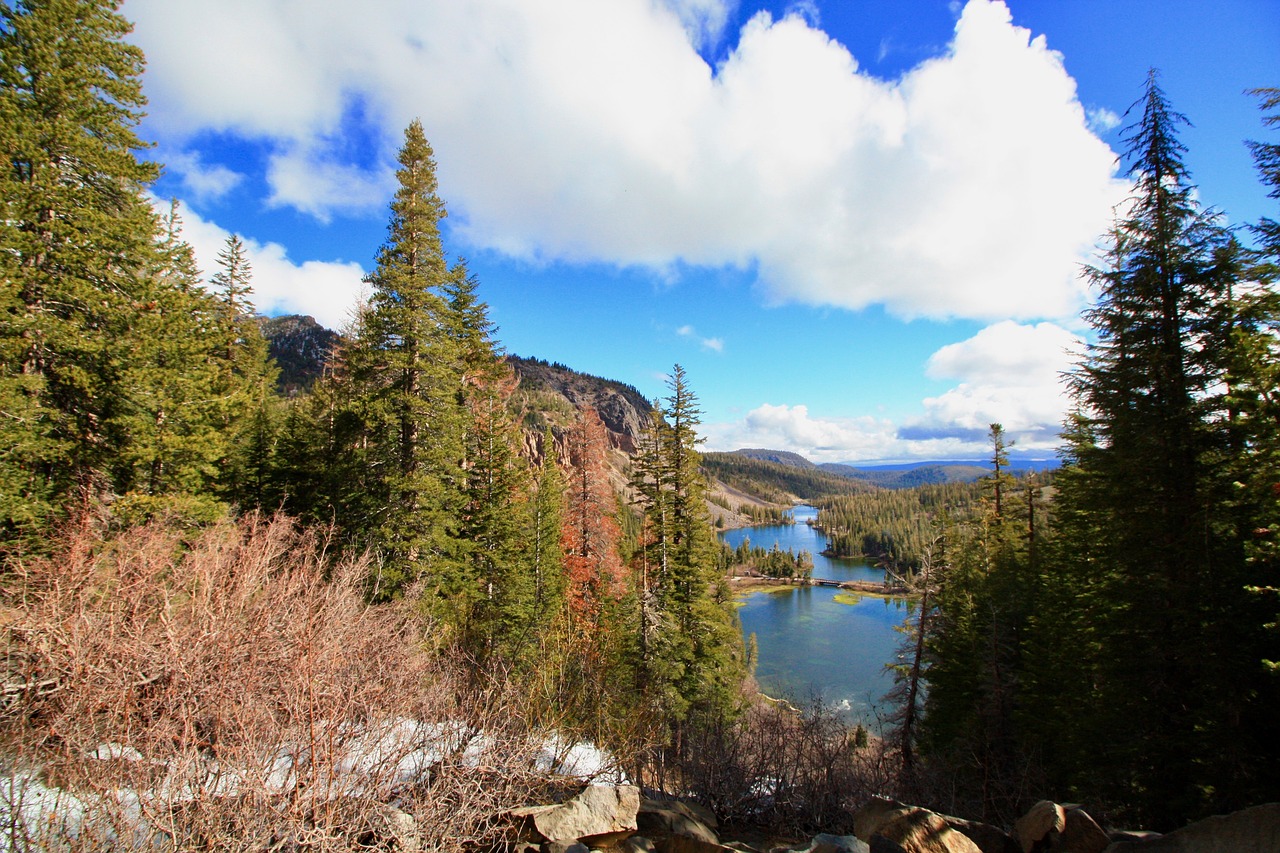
(758, 583)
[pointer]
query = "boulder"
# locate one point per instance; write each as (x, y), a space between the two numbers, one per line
(1255, 830)
(635, 844)
(1081, 833)
(401, 828)
(600, 813)
(1033, 829)
(990, 839)
(824, 843)
(916, 830)
(880, 811)
(565, 847)
(658, 819)
(873, 815)
(686, 844)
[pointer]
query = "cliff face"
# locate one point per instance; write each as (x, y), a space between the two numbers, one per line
(552, 394)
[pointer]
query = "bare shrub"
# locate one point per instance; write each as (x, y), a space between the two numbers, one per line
(230, 689)
(788, 770)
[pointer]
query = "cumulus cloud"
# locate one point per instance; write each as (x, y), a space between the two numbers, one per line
(327, 291)
(1009, 374)
(782, 427)
(587, 131)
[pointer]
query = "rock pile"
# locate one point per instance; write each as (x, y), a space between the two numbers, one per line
(617, 818)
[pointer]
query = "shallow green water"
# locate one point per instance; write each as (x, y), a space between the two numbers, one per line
(812, 647)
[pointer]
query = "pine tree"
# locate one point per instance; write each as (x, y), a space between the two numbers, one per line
(504, 622)
(911, 671)
(246, 382)
(1255, 393)
(1000, 480)
(546, 516)
(406, 411)
(1152, 543)
(690, 656)
(77, 239)
(168, 431)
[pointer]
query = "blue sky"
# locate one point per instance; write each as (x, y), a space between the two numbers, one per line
(858, 224)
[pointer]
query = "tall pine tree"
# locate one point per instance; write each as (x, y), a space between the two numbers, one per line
(1152, 550)
(405, 419)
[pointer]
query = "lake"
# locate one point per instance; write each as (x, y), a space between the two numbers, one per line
(811, 646)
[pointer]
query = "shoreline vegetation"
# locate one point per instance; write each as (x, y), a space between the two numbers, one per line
(757, 583)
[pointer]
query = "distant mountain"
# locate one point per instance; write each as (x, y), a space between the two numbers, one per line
(781, 457)
(301, 347)
(905, 477)
(760, 473)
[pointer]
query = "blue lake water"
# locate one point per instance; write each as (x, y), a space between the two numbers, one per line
(811, 646)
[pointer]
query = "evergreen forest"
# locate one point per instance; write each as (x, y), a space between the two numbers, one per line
(203, 560)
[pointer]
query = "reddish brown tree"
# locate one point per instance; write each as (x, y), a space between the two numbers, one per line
(590, 534)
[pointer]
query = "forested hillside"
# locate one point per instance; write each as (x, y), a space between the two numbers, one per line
(778, 481)
(300, 348)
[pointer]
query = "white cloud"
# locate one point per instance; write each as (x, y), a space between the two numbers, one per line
(1103, 120)
(588, 131)
(782, 427)
(1010, 374)
(313, 182)
(713, 344)
(203, 181)
(328, 291)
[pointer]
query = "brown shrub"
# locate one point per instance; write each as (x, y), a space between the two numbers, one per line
(791, 771)
(230, 689)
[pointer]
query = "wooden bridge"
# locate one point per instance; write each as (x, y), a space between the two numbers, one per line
(877, 587)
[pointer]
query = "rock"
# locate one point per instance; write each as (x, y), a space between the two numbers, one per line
(1043, 818)
(601, 813)
(635, 844)
(916, 830)
(686, 844)
(565, 847)
(402, 828)
(880, 844)
(824, 843)
(1255, 830)
(698, 812)
(873, 815)
(658, 819)
(1081, 834)
(1133, 835)
(881, 811)
(990, 839)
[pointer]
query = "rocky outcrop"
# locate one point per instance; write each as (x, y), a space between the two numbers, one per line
(599, 815)
(301, 348)
(622, 408)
